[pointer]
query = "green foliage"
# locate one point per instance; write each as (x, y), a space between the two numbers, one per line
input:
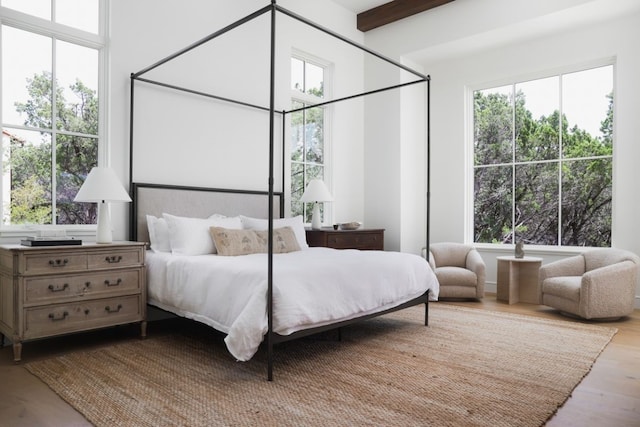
(532, 184)
(307, 151)
(32, 164)
(493, 128)
(26, 203)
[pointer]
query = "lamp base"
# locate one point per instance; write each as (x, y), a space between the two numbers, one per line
(104, 234)
(316, 220)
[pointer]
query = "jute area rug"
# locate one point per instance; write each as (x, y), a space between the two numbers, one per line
(470, 367)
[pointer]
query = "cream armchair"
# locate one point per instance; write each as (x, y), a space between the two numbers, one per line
(459, 269)
(597, 284)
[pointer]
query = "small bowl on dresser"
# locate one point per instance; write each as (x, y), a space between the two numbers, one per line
(353, 225)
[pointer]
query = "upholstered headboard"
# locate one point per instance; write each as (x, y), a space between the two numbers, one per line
(196, 202)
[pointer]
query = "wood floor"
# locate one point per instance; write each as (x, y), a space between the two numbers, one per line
(608, 396)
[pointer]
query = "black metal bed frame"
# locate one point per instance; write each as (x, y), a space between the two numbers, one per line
(272, 337)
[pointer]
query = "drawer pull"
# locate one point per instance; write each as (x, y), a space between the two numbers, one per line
(113, 259)
(116, 283)
(58, 288)
(58, 262)
(55, 319)
(108, 309)
(86, 311)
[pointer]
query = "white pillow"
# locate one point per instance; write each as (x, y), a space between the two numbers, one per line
(216, 215)
(190, 236)
(295, 223)
(158, 234)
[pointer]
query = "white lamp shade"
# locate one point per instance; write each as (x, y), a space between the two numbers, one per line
(316, 191)
(102, 184)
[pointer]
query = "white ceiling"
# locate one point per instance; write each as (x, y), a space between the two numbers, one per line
(590, 12)
(358, 6)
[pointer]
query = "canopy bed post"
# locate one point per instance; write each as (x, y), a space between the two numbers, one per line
(428, 171)
(133, 224)
(271, 161)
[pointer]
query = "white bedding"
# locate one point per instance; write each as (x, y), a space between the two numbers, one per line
(312, 287)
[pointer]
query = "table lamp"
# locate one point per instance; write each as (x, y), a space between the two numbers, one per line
(102, 186)
(315, 193)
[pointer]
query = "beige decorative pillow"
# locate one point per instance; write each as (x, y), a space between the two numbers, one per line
(296, 223)
(231, 242)
(284, 240)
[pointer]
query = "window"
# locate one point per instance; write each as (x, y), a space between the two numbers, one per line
(543, 153)
(308, 145)
(50, 56)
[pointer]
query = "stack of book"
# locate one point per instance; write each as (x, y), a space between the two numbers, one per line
(50, 241)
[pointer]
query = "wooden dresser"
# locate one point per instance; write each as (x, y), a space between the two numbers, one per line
(365, 239)
(54, 290)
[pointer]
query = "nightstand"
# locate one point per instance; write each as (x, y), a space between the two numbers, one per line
(55, 290)
(365, 239)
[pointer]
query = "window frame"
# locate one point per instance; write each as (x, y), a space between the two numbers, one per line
(99, 42)
(310, 100)
(469, 225)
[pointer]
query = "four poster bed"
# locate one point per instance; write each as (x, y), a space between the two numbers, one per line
(228, 258)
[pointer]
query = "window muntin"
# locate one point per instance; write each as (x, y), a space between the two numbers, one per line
(307, 150)
(543, 160)
(50, 113)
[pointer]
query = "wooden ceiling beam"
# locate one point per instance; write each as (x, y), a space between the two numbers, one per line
(394, 11)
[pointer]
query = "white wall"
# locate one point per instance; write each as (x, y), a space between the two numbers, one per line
(519, 52)
(181, 139)
(395, 137)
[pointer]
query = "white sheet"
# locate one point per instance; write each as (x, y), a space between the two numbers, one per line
(312, 287)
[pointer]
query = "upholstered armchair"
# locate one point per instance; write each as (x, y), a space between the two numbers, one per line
(597, 284)
(459, 269)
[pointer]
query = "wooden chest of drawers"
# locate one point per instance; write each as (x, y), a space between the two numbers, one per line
(47, 291)
(365, 239)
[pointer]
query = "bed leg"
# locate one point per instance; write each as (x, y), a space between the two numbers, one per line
(426, 313)
(269, 357)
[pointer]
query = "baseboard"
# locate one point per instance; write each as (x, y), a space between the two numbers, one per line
(490, 288)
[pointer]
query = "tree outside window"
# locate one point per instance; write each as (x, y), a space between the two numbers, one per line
(543, 166)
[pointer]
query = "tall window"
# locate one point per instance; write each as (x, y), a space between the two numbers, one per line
(307, 130)
(543, 154)
(50, 55)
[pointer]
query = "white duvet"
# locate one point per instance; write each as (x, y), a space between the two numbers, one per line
(312, 287)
